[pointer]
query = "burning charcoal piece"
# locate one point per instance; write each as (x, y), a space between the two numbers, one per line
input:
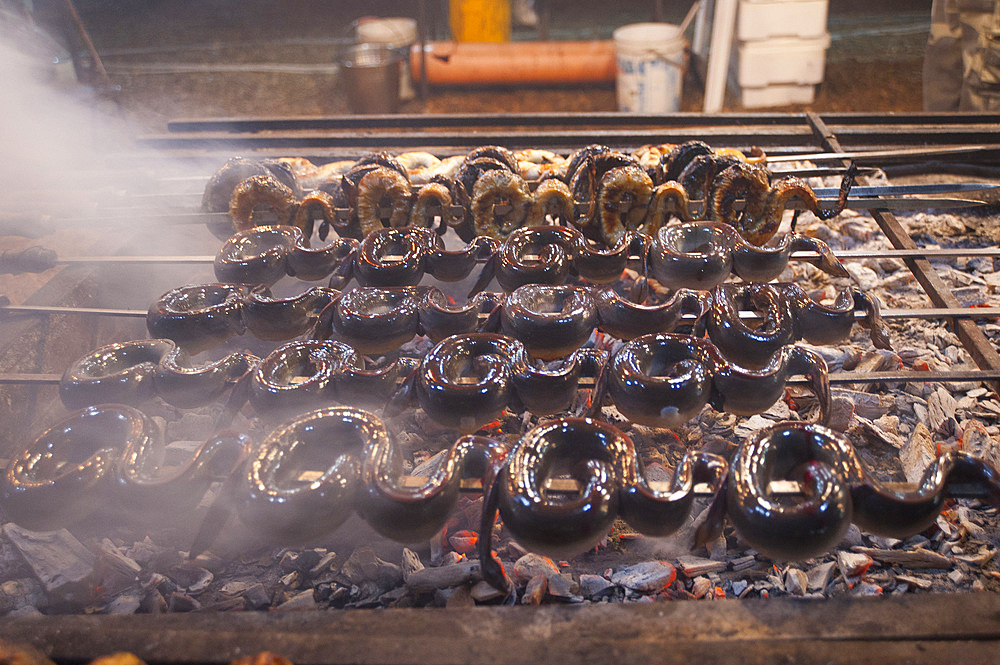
(120, 373)
(789, 315)
(278, 319)
(837, 491)
(702, 255)
(551, 321)
(664, 380)
(468, 380)
(612, 483)
(627, 320)
(69, 470)
(198, 317)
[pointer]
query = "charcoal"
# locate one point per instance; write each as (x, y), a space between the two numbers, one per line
(592, 586)
(58, 560)
(796, 582)
(916, 558)
(535, 590)
(692, 566)
(428, 580)
(20, 593)
(531, 565)
(561, 587)
(646, 577)
(299, 602)
(818, 576)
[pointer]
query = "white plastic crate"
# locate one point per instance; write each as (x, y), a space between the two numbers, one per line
(763, 19)
(777, 95)
(781, 61)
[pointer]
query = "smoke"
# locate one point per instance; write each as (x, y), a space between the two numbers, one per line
(52, 129)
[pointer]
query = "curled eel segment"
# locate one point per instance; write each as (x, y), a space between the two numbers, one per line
(198, 317)
(702, 255)
(256, 256)
(789, 315)
(828, 324)
(764, 201)
(603, 460)
(278, 319)
(413, 514)
(623, 202)
(383, 184)
(670, 199)
(264, 254)
(307, 374)
(300, 483)
(552, 198)
(134, 372)
(837, 490)
(317, 204)
(99, 459)
(261, 190)
(401, 257)
(219, 189)
(314, 471)
(664, 380)
(372, 320)
(433, 200)
(627, 320)
(551, 321)
(549, 254)
(497, 187)
(468, 380)
(68, 471)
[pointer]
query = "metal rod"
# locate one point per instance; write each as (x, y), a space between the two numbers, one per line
(983, 353)
(973, 313)
(836, 378)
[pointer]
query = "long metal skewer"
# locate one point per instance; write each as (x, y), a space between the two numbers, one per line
(18, 262)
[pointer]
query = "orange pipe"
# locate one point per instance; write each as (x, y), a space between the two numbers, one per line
(513, 63)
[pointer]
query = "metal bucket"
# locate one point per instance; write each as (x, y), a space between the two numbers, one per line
(370, 73)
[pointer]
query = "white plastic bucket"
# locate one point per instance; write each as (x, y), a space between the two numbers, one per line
(650, 67)
(399, 33)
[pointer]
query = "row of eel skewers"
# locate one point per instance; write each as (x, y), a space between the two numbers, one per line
(321, 465)
(492, 191)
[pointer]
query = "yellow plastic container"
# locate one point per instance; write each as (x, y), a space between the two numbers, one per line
(480, 20)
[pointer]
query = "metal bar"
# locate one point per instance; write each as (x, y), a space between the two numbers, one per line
(52, 309)
(918, 629)
(836, 378)
(975, 342)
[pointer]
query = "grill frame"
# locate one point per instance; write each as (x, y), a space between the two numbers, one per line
(922, 628)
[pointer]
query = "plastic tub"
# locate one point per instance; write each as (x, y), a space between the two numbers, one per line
(649, 59)
(763, 19)
(370, 73)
